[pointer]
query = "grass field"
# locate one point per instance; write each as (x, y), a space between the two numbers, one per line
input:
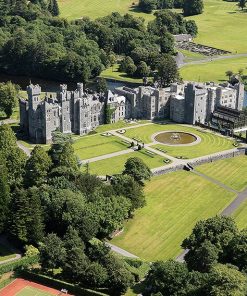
(118, 125)
(30, 291)
(210, 143)
(222, 25)
(115, 164)
(240, 215)
(232, 172)
(75, 9)
(97, 145)
(215, 70)
(172, 209)
(113, 73)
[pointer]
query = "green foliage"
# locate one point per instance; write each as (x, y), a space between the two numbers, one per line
(8, 98)
(26, 225)
(192, 7)
(52, 252)
(167, 71)
(136, 168)
(53, 7)
(142, 70)
(15, 158)
(227, 281)
(168, 278)
(101, 86)
(23, 262)
(108, 113)
(37, 167)
(126, 185)
(4, 195)
(147, 5)
(202, 258)
(31, 251)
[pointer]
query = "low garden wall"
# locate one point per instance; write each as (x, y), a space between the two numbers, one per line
(222, 155)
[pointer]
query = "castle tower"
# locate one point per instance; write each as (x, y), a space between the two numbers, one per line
(33, 92)
(240, 95)
(80, 89)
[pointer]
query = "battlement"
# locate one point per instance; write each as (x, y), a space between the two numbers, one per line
(34, 90)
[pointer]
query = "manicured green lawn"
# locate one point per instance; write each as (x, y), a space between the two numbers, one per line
(222, 25)
(118, 125)
(75, 9)
(215, 70)
(115, 164)
(30, 291)
(113, 73)
(210, 143)
(97, 145)
(232, 172)
(240, 215)
(174, 203)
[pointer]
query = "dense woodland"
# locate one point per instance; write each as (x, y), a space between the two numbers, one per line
(34, 42)
(47, 202)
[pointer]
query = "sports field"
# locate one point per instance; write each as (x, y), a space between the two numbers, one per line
(115, 165)
(240, 215)
(210, 143)
(172, 209)
(21, 287)
(231, 172)
(97, 145)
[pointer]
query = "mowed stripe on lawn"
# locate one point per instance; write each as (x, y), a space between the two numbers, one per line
(231, 172)
(240, 215)
(175, 202)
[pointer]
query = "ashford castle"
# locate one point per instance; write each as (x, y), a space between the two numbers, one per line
(80, 111)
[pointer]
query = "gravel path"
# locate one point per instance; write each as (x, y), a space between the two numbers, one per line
(121, 251)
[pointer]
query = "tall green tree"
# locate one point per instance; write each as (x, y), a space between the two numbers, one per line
(52, 252)
(53, 7)
(26, 225)
(218, 230)
(192, 7)
(37, 167)
(126, 185)
(136, 168)
(15, 158)
(167, 70)
(8, 98)
(227, 281)
(4, 195)
(168, 278)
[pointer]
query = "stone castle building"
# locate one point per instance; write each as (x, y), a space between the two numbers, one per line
(75, 112)
(80, 112)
